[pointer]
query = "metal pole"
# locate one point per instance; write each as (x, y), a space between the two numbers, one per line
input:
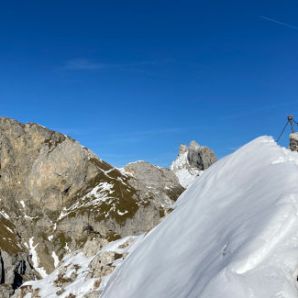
(291, 121)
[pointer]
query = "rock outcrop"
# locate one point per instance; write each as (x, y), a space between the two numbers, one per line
(200, 157)
(191, 161)
(14, 270)
(55, 194)
(293, 146)
(153, 181)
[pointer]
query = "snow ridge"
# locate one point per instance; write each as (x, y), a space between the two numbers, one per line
(234, 233)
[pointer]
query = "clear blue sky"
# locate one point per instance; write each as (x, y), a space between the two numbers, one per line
(133, 79)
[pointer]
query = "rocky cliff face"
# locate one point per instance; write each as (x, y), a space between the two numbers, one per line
(152, 181)
(191, 162)
(55, 195)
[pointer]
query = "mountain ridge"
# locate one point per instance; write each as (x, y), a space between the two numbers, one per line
(56, 195)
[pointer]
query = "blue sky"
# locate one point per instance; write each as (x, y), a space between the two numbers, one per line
(133, 79)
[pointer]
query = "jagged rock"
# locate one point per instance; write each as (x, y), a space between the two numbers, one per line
(151, 180)
(293, 141)
(102, 264)
(26, 291)
(93, 245)
(6, 290)
(200, 157)
(191, 161)
(14, 270)
(182, 149)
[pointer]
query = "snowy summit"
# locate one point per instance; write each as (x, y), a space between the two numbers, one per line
(234, 233)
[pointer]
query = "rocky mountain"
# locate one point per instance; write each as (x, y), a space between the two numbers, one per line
(191, 161)
(58, 199)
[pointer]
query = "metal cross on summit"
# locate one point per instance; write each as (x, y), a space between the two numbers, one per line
(293, 135)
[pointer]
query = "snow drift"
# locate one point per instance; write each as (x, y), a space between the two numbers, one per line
(234, 233)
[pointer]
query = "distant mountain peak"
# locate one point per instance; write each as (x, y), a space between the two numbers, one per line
(191, 161)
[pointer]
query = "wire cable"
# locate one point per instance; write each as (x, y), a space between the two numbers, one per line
(282, 132)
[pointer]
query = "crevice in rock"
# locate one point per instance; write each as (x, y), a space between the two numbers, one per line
(2, 280)
(18, 281)
(66, 191)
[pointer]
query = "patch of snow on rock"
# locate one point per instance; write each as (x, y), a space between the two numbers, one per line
(74, 275)
(56, 259)
(35, 258)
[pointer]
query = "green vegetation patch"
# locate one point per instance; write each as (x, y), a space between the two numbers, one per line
(8, 239)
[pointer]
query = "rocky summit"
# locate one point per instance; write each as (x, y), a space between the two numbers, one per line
(57, 198)
(191, 161)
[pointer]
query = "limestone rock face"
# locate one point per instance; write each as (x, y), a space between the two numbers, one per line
(14, 270)
(55, 194)
(200, 157)
(191, 161)
(154, 181)
(40, 166)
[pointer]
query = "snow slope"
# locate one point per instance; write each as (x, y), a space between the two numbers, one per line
(233, 234)
(73, 275)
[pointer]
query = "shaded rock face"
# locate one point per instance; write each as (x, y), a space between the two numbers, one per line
(14, 270)
(54, 194)
(191, 161)
(200, 157)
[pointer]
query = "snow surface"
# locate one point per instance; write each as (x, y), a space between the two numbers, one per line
(79, 287)
(233, 234)
(55, 258)
(35, 258)
(23, 204)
